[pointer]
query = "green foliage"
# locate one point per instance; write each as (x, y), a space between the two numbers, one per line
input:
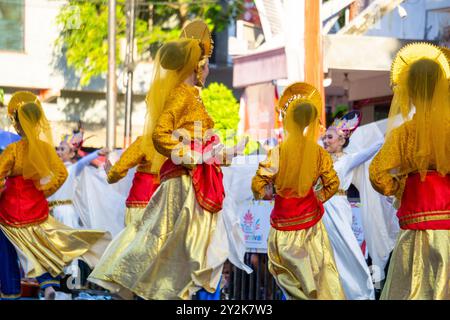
(223, 108)
(84, 25)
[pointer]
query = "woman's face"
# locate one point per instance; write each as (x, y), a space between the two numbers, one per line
(332, 142)
(65, 153)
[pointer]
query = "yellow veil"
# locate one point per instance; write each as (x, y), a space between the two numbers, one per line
(301, 107)
(420, 77)
(26, 113)
(175, 61)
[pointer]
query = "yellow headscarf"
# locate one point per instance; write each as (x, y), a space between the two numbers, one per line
(175, 62)
(25, 111)
(420, 77)
(301, 107)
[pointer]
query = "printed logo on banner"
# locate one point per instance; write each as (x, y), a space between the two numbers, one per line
(250, 226)
(255, 224)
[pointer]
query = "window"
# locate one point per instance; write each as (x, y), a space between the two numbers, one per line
(12, 21)
(381, 111)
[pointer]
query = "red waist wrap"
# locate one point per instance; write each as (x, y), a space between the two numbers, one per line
(142, 189)
(207, 179)
(21, 203)
(290, 214)
(425, 204)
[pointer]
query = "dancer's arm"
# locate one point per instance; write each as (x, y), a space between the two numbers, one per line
(388, 158)
(7, 159)
(130, 158)
(329, 177)
(264, 180)
(83, 162)
(364, 155)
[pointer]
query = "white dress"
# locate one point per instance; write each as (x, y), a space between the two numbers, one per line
(352, 267)
(62, 201)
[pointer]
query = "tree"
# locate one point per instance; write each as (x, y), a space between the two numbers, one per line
(84, 25)
(223, 108)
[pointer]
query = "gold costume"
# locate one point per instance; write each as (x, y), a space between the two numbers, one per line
(420, 263)
(42, 246)
(164, 256)
(133, 156)
(301, 260)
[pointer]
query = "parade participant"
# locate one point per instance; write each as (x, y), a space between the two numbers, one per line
(176, 249)
(338, 218)
(61, 202)
(300, 255)
(414, 165)
(30, 171)
(145, 181)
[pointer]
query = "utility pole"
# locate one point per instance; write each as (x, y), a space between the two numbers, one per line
(111, 87)
(313, 48)
(131, 15)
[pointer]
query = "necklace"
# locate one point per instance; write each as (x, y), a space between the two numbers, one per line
(336, 156)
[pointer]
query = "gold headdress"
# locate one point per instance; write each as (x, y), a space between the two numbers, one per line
(420, 77)
(300, 106)
(29, 120)
(199, 30)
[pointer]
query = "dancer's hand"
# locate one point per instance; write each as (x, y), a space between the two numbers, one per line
(107, 166)
(103, 152)
(269, 192)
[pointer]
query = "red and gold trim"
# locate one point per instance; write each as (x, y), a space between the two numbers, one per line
(425, 204)
(290, 214)
(142, 189)
(22, 204)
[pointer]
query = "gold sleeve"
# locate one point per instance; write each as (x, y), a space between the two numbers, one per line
(388, 158)
(130, 158)
(7, 159)
(173, 110)
(59, 178)
(329, 177)
(266, 173)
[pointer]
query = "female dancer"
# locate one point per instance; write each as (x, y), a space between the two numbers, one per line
(300, 255)
(414, 165)
(30, 171)
(352, 267)
(175, 250)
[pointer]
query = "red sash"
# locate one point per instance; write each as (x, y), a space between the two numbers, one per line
(142, 189)
(206, 179)
(21, 203)
(290, 214)
(425, 204)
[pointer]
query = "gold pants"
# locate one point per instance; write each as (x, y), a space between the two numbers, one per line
(163, 256)
(51, 245)
(303, 265)
(419, 267)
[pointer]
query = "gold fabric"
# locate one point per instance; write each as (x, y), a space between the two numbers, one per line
(184, 109)
(302, 263)
(164, 256)
(420, 266)
(133, 156)
(420, 78)
(12, 164)
(301, 108)
(175, 61)
(29, 119)
(51, 246)
(133, 215)
(323, 170)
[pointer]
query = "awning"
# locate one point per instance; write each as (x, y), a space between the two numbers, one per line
(259, 67)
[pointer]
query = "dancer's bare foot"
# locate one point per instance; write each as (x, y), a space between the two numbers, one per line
(49, 293)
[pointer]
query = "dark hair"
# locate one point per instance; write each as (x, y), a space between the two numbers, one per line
(347, 141)
(304, 113)
(31, 111)
(422, 78)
